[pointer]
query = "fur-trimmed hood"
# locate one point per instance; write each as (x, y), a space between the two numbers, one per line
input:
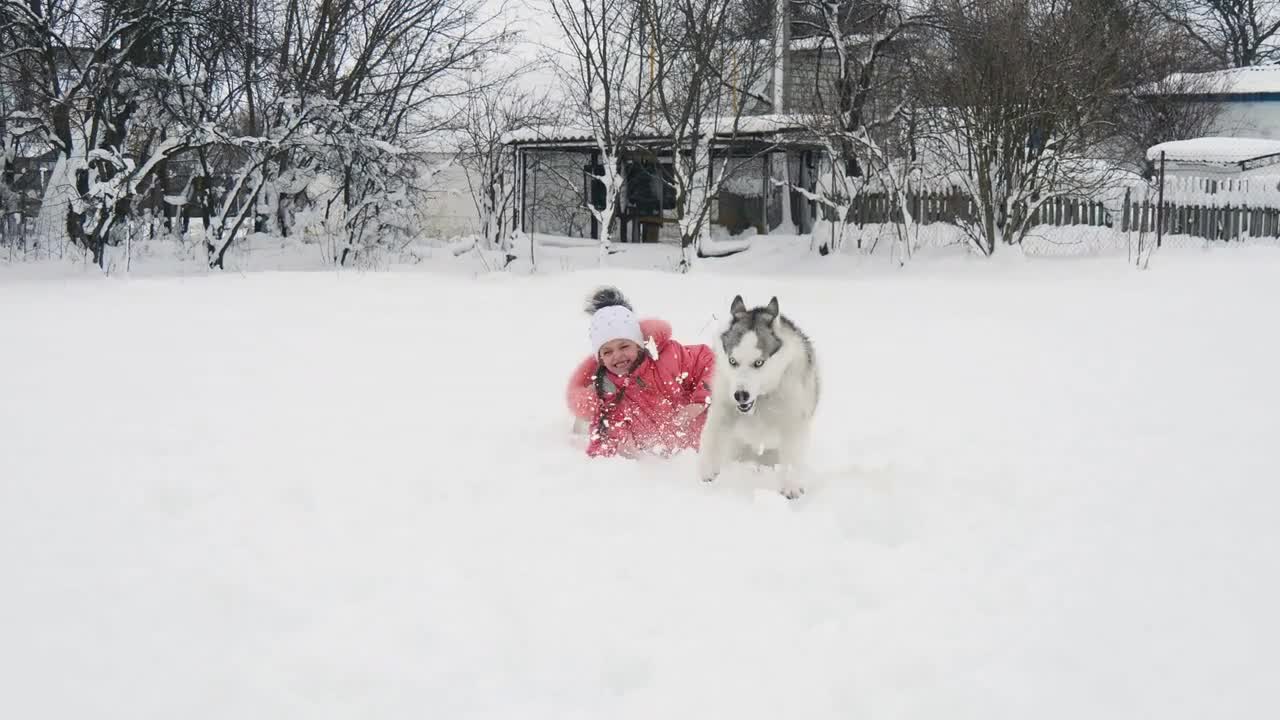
(658, 330)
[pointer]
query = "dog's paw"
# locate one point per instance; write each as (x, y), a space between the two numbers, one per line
(708, 469)
(791, 493)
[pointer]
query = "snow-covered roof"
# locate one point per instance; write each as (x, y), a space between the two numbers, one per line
(824, 41)
(721, 126)
(1215, 150)
(1255, 80)
(547, 133)
(812, 42)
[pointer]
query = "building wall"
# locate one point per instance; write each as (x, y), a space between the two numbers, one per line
(450, 209)
(814, 74)
(1257, 118)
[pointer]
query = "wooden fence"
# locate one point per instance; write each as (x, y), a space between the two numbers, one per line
(1203, 220)
(955, 206)
(1198, 216)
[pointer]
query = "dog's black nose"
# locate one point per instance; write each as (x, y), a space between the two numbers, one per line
(742, 396)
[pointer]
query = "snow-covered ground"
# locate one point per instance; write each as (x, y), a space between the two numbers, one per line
(1040, 489)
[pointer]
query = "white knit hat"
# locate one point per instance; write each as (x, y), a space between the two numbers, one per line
(614, 322)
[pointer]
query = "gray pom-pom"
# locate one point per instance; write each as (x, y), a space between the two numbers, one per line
(604, 297)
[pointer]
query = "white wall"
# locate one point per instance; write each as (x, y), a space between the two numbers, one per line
(1249, 118)
(450, 210)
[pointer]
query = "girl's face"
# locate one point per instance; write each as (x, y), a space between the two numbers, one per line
(619, 356)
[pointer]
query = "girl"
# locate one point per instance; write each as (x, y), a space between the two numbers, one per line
(640, 391)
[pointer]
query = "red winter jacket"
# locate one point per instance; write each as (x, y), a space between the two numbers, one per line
(651, 395)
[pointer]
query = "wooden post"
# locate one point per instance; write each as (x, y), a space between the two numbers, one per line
(766, 194)
(515, 178)
(533, 217)
(1160, 209)
(522, 170)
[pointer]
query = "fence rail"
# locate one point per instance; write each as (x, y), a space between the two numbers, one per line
(955, 207)
(1212, 222)
(1204, 216)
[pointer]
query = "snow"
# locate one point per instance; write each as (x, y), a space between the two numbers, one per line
(719, 243)
(463, 244)
(1040, 489)
(564, 241)
(758, 124)
(723, 125)
(1214, 149)
(383, 146)
(549, 133)
(1254, 80)
(1252, 190)
(825, 42)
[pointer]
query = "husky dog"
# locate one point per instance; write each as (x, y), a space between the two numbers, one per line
(763, 396)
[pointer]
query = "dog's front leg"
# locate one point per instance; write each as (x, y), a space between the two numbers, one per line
(712, 446)
(790, 464)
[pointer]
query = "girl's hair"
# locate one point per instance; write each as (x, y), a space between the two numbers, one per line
(605, 296)
(602, 424)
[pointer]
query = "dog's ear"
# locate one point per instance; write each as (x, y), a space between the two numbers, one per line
(738, 308)
(772, 309)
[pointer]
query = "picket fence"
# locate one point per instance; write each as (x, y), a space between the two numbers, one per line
(1209, 208)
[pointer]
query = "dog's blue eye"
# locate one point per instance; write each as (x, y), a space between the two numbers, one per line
(759, 363)
(733, 363)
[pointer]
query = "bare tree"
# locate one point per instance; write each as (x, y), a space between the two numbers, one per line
(1162, 104)
(14, 126)
(600, 68)
(1024, 97)
(701, 76)
(491, 110)
(356, 86)
(89, 70)
(1166, 96)
(1236, 33)
(859, 89)
(282, 104)
(553, 194)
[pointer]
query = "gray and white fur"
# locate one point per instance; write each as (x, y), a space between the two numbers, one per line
(763, 397)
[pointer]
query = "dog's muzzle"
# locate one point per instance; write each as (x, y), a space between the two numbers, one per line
(744, 400)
